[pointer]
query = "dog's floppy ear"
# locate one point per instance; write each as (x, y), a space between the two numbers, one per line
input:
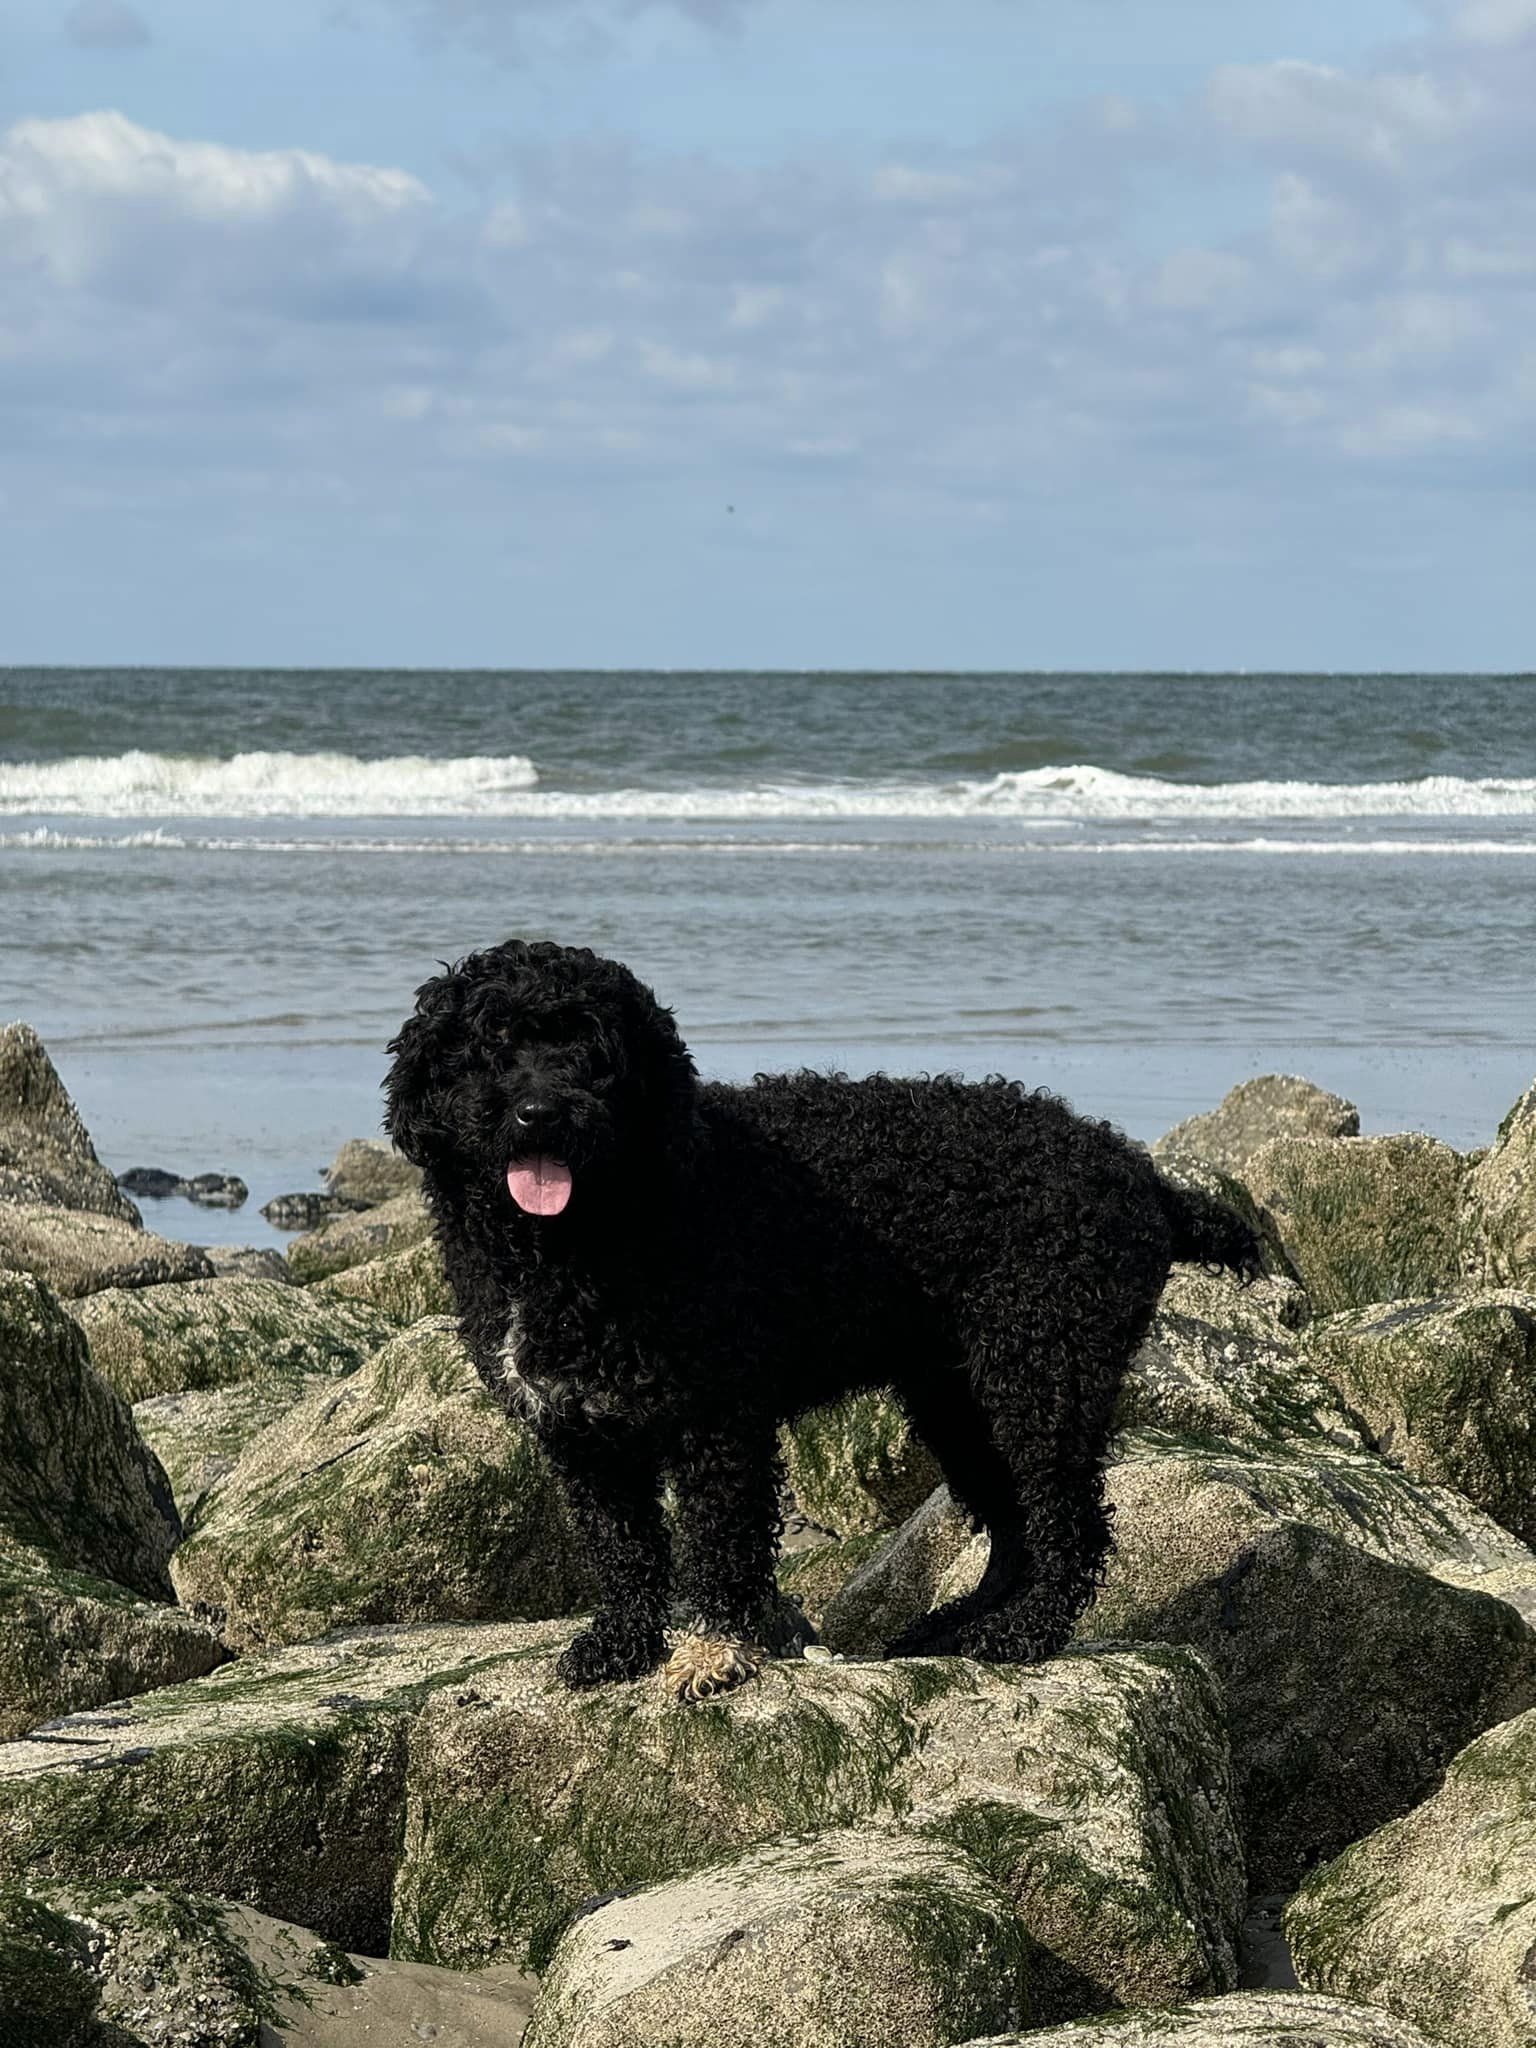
(415, 1086)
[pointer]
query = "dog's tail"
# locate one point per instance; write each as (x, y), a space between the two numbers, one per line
(1207, 1232)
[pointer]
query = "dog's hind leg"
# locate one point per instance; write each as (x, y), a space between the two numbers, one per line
(728, 1523)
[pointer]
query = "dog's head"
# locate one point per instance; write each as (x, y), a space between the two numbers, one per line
(538, 1068)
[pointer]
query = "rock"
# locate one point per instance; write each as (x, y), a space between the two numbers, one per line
(1447, 1389)
(200, 1437)
(70, 1640)
(859, 1465)
(369, 1171)
(1093, 1791)
(1363, 1219)
(217, 1190)
(816, 1575)
(303, 1211)
(1244, 1380)
(1434, 1916)
(403, 1494)
(249, 1262)
(1251, 1308)
(218, 1333)
(405, 1286)
(843, 1939)
(75, 1479)
(279, 1780)
(47, 1159)
(1365, 1625)
(184, 1970)
(79, 1253)
(1499, 1208)
(1255, 1112)
(152, 1182)
(1243, 2019)
(354, 1239)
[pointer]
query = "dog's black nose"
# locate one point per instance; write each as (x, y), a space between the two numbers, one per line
(534, 1114)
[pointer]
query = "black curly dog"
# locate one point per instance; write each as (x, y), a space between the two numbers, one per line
(656, 1273)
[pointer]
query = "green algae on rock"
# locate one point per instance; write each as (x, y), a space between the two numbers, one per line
(1447, 1388)
(846, 1939)
(405, 1286)
(70, 1640)
(185, 1970)
(357, 1238)
(199, 1438)
(46, 1155)
(1365, 1625)
(79, 1253)
(1434, 1915)
(278, 1781)
(403, 1493)
(217, 1333)
(1243, 2019)
(75, 1478)
(858, 1465)
(1363, 1219)
(816, 1574)
(1094, 1791)
(1499, 1205)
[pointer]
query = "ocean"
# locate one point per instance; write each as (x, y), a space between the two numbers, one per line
(219, 888)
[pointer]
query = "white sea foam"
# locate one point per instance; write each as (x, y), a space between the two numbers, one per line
(275, 785)
(140, 785)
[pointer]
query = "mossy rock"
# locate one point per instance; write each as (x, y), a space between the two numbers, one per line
(70, 1640)
(278, 1781)
(1447, 1388)
(846, 1939)
(1252, 1115)
(48, 1989)
(46, 1154)
(1093, 1791)
(78, 1253)
(1244, 1379)
(404, 1493)
(1365, 1625)
(858, 1465)
(1499, 1205)
(816, 1575)
(1243, 2019)
(1363, 1219)
(405, 1286)
(369, 1171)
(1434, 1916)
(75, 1478)
(357, 1238)
(219, 1333)
(199, 1438)
(185, 1970)
(1199, 1176)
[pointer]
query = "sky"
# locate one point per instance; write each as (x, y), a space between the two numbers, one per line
(769, 333)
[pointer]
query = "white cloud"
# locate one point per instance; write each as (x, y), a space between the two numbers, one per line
(1497, 21)
(1379, 120)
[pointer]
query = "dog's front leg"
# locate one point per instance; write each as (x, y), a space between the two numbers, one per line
(615, 1495)
(727, 1482)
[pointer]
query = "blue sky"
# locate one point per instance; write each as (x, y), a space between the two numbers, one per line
(758, 333)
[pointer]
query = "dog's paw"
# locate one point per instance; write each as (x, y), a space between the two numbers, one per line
(703, 1666)
(604, 1657)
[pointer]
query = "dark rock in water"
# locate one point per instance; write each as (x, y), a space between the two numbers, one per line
(152, 1181)
(216, 1190)
(304, 1211)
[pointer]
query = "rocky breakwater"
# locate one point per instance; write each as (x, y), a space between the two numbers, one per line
(337, 1786)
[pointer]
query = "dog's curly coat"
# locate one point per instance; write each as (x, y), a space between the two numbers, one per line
(655, 1274)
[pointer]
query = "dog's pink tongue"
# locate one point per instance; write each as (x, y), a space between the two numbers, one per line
(540, 1185)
